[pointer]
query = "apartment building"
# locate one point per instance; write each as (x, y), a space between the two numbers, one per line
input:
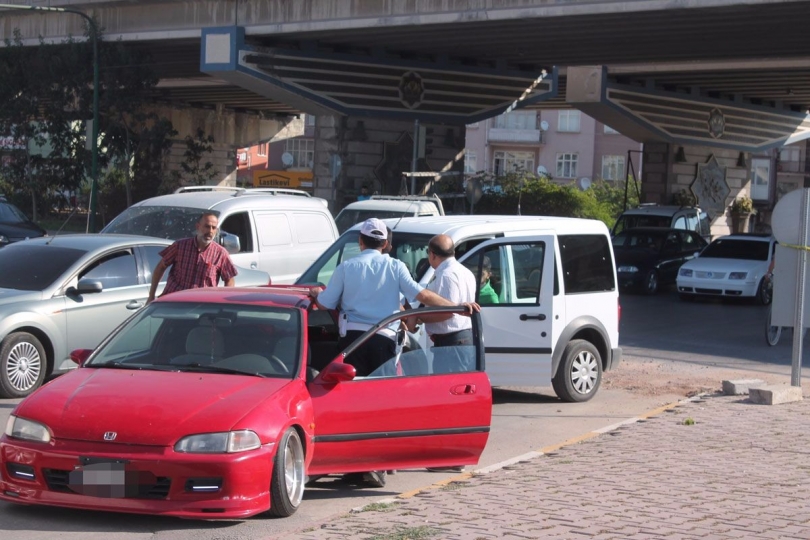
(570, 146)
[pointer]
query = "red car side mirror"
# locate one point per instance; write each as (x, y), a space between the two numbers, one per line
(80, 355)
(337, 372)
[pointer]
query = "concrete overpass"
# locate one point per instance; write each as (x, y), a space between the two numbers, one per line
(719, 76)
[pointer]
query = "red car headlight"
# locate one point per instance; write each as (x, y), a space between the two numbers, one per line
(27, 430)
(219, 443)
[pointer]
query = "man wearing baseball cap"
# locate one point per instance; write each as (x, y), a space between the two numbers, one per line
(367, 288)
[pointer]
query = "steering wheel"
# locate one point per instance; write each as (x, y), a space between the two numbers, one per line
(280, 366)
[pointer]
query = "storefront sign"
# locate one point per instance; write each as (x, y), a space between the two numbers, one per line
(283, 179)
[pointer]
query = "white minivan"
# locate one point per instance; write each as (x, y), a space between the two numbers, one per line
(556, 319)
(278, 231)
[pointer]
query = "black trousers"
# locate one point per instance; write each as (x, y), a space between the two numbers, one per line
(369, 356)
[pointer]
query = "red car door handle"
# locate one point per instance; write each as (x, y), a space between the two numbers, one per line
(463, 389)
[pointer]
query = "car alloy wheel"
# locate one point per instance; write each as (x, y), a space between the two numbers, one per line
(288, 476)
(22, 358)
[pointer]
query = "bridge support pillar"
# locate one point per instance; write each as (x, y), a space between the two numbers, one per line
(374, 152)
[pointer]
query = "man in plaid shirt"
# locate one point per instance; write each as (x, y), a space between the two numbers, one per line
(196, 262)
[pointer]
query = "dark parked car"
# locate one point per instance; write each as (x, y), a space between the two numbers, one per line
(649, 257)
(15, 225)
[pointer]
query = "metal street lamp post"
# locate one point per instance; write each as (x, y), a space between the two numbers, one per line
(91, 224)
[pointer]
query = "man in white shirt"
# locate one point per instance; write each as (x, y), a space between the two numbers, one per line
(453, 281)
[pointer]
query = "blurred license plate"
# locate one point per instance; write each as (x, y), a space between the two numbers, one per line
(107, 479)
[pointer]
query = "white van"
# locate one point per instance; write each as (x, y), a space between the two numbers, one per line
(388, 206)
(556, 320)
(278, 232)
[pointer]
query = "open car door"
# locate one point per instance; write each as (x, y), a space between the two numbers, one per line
(407, 413)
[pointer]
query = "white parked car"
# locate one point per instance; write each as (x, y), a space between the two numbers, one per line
(731, 266)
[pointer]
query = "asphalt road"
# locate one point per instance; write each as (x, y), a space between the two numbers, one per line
(661, 328)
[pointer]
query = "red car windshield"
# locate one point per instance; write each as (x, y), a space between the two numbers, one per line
(220, 338)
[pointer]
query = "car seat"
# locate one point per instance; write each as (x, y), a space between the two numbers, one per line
(204, 345)
(421, 268)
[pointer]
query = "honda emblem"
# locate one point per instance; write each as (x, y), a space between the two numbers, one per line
(110, 435)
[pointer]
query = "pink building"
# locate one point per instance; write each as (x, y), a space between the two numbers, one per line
(567, 144)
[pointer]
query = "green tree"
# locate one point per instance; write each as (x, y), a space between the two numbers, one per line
(46, 101)
(529, 194)
(195, 171)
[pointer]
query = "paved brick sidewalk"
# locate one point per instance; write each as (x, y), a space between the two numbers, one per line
(715, 468)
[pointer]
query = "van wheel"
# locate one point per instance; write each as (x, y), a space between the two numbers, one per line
(22, 365)
(580, 372)
(651, 282)
(288, 476)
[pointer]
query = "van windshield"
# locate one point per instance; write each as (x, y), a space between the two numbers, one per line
(172, 222)
(348, 217)
(409, 248)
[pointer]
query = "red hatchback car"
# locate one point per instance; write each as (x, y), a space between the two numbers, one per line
(221, 403)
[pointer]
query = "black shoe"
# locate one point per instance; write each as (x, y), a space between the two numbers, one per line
(374, 479)
(457, 468)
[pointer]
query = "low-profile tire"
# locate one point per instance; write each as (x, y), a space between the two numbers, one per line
(288, 477)
(22, 365)
(650, 285)
(580, 372)
(764, 293)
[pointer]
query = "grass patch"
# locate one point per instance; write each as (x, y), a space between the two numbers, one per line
(378, 507)
(407, 533)
(688, 421)
(454, 486)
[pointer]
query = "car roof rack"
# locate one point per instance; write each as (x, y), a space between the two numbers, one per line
(277, 191)
(435, 199)
(243, 191)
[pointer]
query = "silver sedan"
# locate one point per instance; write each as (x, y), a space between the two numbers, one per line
(68, 292)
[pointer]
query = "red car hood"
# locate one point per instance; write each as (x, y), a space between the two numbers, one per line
(145, 407)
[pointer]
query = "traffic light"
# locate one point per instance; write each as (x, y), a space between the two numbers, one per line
(424, 142)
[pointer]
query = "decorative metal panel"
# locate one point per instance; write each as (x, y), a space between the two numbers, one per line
(686, 119)
(384, 87)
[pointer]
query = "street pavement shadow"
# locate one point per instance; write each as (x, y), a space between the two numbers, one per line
(534, 395)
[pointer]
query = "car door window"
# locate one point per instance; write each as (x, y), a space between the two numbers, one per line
(411, 359)
(689, 242)
(680, 223)
(152, 254)
(239, 224)
(672, 244)
(515, 273)
(692, 223)
(705, 224)
(115, 270)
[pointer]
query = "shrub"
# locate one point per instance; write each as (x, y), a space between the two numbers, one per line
(742, 205)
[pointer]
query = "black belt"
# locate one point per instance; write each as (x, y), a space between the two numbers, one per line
(441, 337)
